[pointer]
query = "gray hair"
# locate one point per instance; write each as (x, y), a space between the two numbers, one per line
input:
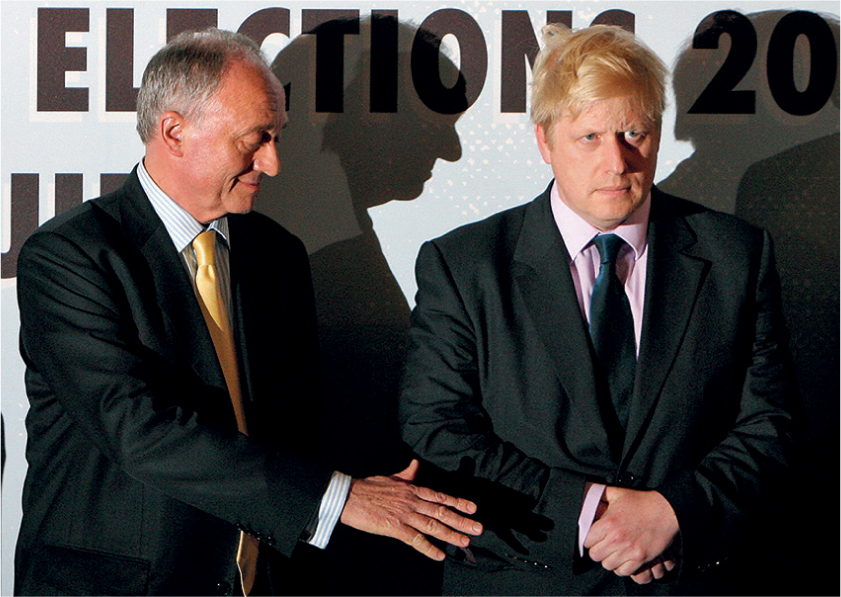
(187, 72)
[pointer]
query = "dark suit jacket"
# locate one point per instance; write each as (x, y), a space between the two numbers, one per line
(500, 384)
(138, 480)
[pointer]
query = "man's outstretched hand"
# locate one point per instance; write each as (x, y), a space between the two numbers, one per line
(393, 507)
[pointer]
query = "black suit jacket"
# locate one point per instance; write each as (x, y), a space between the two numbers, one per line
(500, 385)
(138, 481)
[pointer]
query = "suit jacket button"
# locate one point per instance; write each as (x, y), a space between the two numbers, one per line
(627, 479)
(224, 588)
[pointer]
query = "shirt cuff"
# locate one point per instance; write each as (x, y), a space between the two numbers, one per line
(592, 497)
(330, 509)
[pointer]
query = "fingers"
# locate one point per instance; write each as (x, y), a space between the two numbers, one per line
(438, 497)
(633, 563)
(422, 520)
(440, 518)
(409, 473)
(393, 507)
(635, 529)
(421, 526)
(622, 565)
(419, 542)
(654, 570)
(644, 577)
(430, 495)
(641, 573)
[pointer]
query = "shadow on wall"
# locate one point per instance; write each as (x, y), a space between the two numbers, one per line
(725, 106)
(335, 165)
(778, 167)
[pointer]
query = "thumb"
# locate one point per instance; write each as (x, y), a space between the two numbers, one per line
(409, 473)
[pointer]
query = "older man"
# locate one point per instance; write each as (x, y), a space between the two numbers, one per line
(169, 339)
(604, 369)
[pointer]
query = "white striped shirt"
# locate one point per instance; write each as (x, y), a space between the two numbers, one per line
(183, 229)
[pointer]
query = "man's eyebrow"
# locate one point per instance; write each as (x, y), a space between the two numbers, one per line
(261, 128)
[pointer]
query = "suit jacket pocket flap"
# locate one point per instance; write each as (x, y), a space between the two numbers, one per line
(57, 570)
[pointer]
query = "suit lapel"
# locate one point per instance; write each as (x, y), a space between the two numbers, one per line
(186, 331)
(240, 294)
(543, 278)
(673, 280)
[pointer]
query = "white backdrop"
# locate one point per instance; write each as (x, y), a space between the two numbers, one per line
(498, 165)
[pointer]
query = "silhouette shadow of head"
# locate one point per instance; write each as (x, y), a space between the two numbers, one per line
(377, 143)
(776, 164)
(728, 92)
(353, 142)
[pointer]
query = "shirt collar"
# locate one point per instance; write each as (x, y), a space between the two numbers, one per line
(181, 226)
(578, 233)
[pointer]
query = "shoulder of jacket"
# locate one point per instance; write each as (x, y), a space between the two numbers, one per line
(702, 219)
(489, 230)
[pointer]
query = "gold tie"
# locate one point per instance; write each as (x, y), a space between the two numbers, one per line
(216, 317)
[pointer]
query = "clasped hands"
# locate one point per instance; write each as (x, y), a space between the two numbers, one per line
(394, 507)
(633, 534)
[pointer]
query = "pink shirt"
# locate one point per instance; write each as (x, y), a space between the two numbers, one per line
(631, 264)
(584, 260)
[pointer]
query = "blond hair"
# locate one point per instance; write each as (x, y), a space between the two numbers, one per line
(576, 68)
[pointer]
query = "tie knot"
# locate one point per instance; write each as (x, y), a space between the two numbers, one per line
(205, 246)
(608, 246)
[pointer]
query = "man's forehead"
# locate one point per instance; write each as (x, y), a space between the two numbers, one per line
(271, 102)
(282, 119)
(277, 97)
(619, 113)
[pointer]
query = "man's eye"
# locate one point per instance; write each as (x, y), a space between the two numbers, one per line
(634, 135)
(590, 137)
(257, 140)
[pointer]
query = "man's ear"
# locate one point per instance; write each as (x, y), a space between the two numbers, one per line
(172, 131)
(543, 143)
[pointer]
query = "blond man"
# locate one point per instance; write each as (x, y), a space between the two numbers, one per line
(604, 370)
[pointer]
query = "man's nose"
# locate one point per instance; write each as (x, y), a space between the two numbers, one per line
(266, 159)
(449, 144)
(615, 155)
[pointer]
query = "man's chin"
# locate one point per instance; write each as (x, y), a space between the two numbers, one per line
(611, 219)
(242, 206)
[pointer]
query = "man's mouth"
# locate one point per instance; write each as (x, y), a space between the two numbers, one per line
(614, 190)
(255, 185)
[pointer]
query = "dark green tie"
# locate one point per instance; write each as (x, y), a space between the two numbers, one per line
(612, 327)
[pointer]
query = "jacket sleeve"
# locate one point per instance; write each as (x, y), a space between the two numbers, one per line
(529, 509)
(716, 500)
(90, 330)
